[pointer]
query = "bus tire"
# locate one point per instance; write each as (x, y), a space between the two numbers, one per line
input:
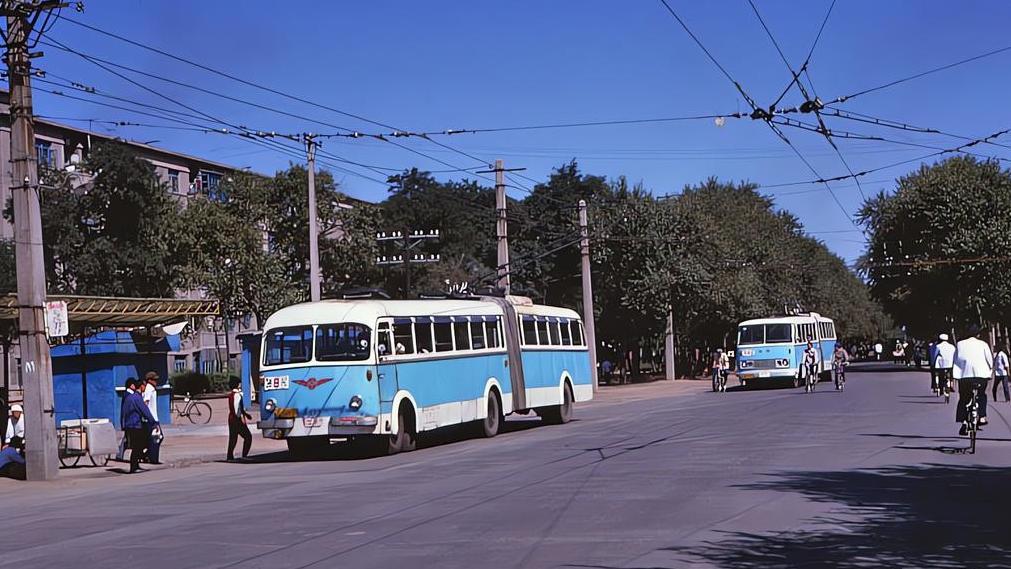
(559, 414)
(493, 420)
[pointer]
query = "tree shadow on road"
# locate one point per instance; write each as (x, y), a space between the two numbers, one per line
(925, 516)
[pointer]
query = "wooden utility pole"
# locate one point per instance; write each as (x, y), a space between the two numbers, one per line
(314, 278)
(588, 321)
(504, 280)
(669, 349)
(40, 425)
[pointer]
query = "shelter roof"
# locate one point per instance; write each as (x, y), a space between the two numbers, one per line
(113, 311)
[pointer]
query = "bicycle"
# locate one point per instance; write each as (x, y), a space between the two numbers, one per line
(839, 370)
(719, 380)
(198, 412)
(972, 418)
(944, 384)
(812, 378)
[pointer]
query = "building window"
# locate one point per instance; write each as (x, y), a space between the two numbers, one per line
(180, 363)
(173, 180)
(209, 183)
(45, 154)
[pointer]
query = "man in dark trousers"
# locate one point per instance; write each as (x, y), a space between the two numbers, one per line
(135, 419)
(237, 418)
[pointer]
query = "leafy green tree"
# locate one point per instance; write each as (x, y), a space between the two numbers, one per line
(937, 250)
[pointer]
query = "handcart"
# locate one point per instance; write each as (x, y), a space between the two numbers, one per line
(94, 438)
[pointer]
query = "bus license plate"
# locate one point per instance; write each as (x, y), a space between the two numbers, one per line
(279, 382)
(312, 422)
(763, 374)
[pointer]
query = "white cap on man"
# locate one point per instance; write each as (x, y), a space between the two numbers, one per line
(943, 337)
(17, 408)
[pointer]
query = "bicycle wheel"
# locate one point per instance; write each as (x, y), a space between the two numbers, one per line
(70, 461)
(199, 413)
(100, 460)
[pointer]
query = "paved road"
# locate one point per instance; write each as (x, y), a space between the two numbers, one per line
(761, 478)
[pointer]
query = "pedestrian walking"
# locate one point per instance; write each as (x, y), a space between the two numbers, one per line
(154, 433)
(973, 368)
(134, 416)
(931, 356)
(237, 417)
(1000, 373)
(878, 350)
(15, 424)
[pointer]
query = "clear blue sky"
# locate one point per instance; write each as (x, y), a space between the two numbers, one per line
(473, 64)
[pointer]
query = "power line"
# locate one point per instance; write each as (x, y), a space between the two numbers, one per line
(922, 74)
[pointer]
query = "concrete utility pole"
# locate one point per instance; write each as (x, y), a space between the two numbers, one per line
(591, 332)
(669, 350)
(40, 426)
(310, 155)
(408, 241)
(502, 224)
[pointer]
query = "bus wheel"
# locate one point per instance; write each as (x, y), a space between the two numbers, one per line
(493, 421)
(559, 414)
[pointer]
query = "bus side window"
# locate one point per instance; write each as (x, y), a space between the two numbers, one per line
(477, 334)
(443, 337)
(423, 334)
(556, 339)
(542, 333)
(384, 340)
(491, 334)
(461, 330)
(577, 333)
(566, 334)
(529, 331)
(403, 339)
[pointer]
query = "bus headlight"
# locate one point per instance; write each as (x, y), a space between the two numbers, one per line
(355, 403)
(783, 363)
(746, 364)
(269, 406)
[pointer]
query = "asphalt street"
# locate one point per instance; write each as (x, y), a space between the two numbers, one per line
(675, 477)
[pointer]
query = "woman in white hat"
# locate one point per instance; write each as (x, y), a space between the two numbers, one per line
(15, 424)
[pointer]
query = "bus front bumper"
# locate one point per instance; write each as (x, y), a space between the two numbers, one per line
(752, 375)
(273, 428)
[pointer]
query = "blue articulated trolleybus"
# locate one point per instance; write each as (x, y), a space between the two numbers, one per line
(381, 371)
(771, 348)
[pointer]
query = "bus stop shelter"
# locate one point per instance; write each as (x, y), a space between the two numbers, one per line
(110, 339)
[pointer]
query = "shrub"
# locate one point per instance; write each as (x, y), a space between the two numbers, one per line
(189, 382)
(219, 382)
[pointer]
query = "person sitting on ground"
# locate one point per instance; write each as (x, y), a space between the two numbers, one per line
(15, 424)
(12, 459)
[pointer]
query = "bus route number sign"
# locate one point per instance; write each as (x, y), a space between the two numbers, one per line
(272, 383)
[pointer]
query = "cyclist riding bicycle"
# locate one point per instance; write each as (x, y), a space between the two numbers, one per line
(944, 360)
(810, 366)
(973, 368)
(840, 359)
(721, 365)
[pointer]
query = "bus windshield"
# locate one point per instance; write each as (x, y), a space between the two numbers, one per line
(779, 333)
(343, 342)
(288, 345)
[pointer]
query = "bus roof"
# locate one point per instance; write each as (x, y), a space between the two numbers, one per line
(368, 311)
(798, 319)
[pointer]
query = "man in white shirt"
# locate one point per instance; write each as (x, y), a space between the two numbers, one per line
(944, 359)
(973, 368)
(15, 424)
(150, 395)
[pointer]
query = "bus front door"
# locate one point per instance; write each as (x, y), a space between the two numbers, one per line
(386, 370)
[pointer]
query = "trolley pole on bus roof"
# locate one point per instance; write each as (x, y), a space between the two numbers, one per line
(591, 332)
(40, 426)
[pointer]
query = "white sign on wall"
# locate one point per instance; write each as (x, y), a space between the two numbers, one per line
(57, 320)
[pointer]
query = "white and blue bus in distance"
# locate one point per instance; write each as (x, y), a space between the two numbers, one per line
(382, 371)
(770, 348)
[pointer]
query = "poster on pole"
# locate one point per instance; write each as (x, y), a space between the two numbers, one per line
(57, 320)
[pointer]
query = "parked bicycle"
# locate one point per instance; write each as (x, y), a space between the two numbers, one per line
(198, 412)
